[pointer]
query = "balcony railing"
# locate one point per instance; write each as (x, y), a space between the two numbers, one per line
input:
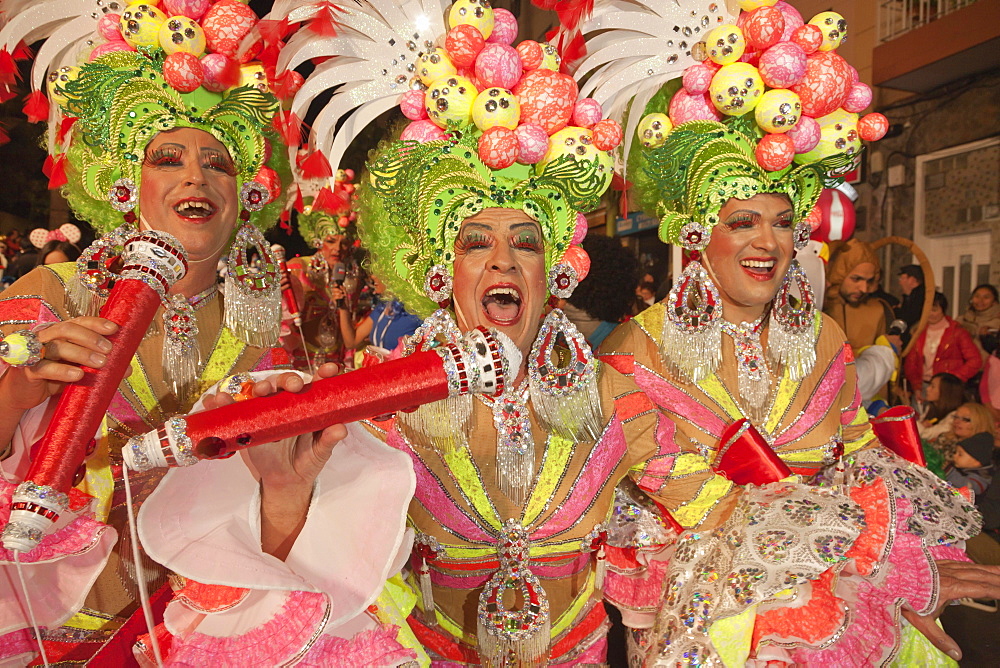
(897, 17)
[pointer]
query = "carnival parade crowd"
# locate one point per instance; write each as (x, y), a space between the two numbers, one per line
(467, 427)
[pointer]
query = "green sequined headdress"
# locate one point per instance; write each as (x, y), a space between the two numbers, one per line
(121, 101)
(416, 197)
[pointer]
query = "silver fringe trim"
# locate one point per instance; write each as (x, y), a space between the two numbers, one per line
(515, 445)
(691, 344)
(753, 375)
(181, 355)
(254, 319)
(442, 424)
(791, 339)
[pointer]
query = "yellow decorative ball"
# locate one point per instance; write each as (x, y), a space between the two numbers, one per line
(750, 5)
(550, 58)
(252, 74)
(449, 101)
(578, 142)
(838, 134)
(476, 13)
(834, 29)
(736, 89)
(58, 79)
(433, 65)
(653, 130)
(725, 44)
(496, 106)
(182, 33)
(779, 110)
(140, 24)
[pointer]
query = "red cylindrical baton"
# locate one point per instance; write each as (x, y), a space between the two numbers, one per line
(287, 294)
(153, 261)
(423, 377)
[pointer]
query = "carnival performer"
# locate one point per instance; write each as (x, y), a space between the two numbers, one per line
(156, 134)
(804, 538)
(326, 282)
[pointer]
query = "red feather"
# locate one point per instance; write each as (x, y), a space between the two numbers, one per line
(55, 168)
(4, 137)
(283, 221)
(36, 108)
(323, 23)
(8, 68)
(316, 166)
(23, 52)
(7, 93)
(289, 127)
(64, 127)
(325, 201)
(619, 183)
(298, 204)
(272, 31)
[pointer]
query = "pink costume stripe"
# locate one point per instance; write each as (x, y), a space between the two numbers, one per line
(432, 497)
(123, 411)
(658, 468)
(594, 475)
(819, 404)
(672, 400)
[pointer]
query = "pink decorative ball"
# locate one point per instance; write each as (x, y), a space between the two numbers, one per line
(183, 71)
(531, 53)
(805, 135)
(463, 43)
(192, 8)
(498, 147)
(577, 258)
(504, 27)
(698, 77)
(814, 218)
(107, 27)
(793, 19)
(855, 77)
(225, 24)
(412, 104)
(783, 65)
(763, 28)
(221, 72)
(270, 180)
(607, 135)
(587, 112)
(872, 127)
(422, 131)
(580, 230)
(685, 107)
(498, 66)
(809, 37)
(858, 98)
(110, 47)
(547, 99)
(774, 152)
(533, 143)
(825, 85)
(751, 56)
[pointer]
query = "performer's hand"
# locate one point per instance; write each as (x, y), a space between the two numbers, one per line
(68, 345)
(958, 579)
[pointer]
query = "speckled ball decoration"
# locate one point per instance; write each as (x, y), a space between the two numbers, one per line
(221, 72)
(181, 33)
(433, 65)
(550, 57)
(58, 80)
(698, 77)
(110, 47)
(448, 101)
(750, 5)
(725, 44)
(809, 37)
(834, 29)
(504, 27)
(587, 112)
(226, 23)
(779, 110)
(140, 25)
(412, 105)
(533, 142)
(783, 65)
(686, 107)
(858, 98)
(774, 152)
(580, 230)
(736, 89)
(183, 71)
(422, 131)
(805, 135)
(496, 107)
(763, 28)
(463, 43)
(477, 13)
(825, 85)
(873, 127)
(252, 74)
(793, 19)
(498, 65)
(194, 9)
(814, 218)
(498, 147)
(531, 54)
(653, 130)
(577, 258)
(838, 134)
(607, 134)
(578, 142)
(547, 99)
(108, 27)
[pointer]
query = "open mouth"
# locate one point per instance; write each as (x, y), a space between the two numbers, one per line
(762, 269)
(195, 208)
(502, 304)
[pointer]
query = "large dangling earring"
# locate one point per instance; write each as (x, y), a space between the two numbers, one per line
(802, 233)
(562, 280)
(692, 331)
(253, 301)
(791, 341)
(93, 276)
(564, 394)
(438, 285)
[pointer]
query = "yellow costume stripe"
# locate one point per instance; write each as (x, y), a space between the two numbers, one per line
(557, 454)
(694, 511)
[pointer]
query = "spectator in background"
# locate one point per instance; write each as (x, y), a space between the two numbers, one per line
(945, 393)
(983, 317)
(968, 420)
(943, 346)
(972, 463)
(607, 294)
(55, 251)
(911, 283)
(645, 295)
